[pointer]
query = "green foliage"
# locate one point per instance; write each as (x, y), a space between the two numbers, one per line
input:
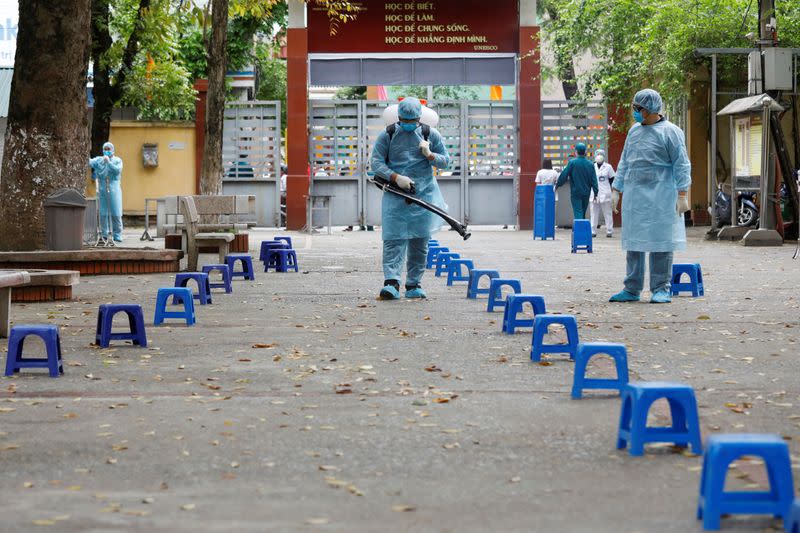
(161, 92)
(440, 92)
(252, 22)
(639, 44)
(271, 79)
(352, 92)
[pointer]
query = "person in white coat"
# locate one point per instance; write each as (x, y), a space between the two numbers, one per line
(602, 202)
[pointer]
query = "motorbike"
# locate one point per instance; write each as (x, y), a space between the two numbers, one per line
(746, 208)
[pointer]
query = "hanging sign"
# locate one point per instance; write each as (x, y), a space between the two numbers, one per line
(439, 26)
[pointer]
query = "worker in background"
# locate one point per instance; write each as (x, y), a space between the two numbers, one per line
(107, 174)
(583, 181)
(601, 202)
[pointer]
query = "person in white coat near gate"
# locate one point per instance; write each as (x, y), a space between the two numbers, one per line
(602, 202)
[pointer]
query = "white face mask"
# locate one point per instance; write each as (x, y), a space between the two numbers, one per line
(599, 159)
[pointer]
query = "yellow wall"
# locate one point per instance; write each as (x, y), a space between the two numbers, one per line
(175, 171)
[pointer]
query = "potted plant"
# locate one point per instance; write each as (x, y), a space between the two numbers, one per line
(700, 215)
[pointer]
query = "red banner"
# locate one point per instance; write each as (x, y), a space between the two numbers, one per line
(442, 26)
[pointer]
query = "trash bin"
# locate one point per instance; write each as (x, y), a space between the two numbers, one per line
(544, 213)
(63, 220)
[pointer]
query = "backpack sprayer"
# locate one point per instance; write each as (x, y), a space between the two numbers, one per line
(428, 119)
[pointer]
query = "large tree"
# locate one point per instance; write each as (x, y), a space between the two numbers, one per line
(339, 11)
(211, 170)
(47, 137)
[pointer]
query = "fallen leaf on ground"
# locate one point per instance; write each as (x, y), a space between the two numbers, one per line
(265, 345)
(403, 508)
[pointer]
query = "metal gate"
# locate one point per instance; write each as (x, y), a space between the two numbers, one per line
(251, 155)
(565, 123)
(479, 188)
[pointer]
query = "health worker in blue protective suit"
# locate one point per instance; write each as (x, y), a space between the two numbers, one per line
(407, 159)
(654, 175)
(106, 173)
(582, 180)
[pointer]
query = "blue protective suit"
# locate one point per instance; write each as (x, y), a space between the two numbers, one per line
(106, 176)
(653, 168)
(403, 156)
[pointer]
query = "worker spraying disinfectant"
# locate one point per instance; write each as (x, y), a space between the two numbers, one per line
(107, 171)
(405, 154)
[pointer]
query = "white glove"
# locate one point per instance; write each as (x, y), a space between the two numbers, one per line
(615, 200)
(682, 205)
(404, 182)
(425, 147)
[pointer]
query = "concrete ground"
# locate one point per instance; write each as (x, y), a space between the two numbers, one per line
(300, 403)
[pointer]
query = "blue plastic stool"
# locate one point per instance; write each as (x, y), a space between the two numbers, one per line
(226, 277)
(637, 397)
(473, 287)
(442, 260)
(184, 295)
(581, 235)
(456, 273)
(105, 320)
(287, 240)
(52, 343)
(266, 246)
(247, 266)
(514, 304)
(721, 451)
(695, 284)
(541, 323)
(496, 292)
(433, 251)
(282, 260)
(587, 350)
(793, 524)
(203, 286)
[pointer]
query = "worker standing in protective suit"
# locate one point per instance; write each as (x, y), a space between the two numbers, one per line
(107, 172)
(654, 175)
(582, 179)
(407, 159)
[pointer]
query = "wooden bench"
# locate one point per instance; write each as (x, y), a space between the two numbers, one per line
(230, 213)
(8, 279)
(195, 239)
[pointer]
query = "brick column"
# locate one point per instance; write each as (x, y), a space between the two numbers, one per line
(529, 106)
(618, 120)
(297, 180)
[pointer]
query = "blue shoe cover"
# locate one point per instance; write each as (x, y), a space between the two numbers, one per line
(624, 296)
(389, 292)
(416, 292)
(660, 297)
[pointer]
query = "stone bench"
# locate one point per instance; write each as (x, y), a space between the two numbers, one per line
(8, 279)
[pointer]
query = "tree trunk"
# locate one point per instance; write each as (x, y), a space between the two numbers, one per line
(107, 95)
(211, 171)
(101, 87)
(47, 137)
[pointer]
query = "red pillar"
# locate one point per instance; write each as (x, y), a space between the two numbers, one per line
(297, 180)
(201, 86)
(617, 132)
(529, 105)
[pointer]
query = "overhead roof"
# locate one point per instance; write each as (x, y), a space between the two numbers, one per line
(751, 104)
